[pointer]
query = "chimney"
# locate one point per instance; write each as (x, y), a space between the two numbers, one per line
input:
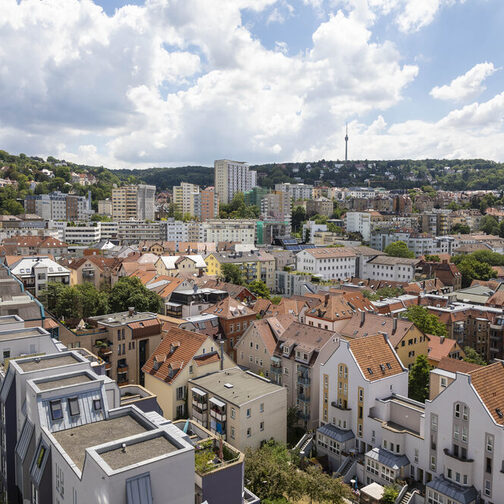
(131, 311)
(362, 318)
(221, 342)
(394, 325)
(442, 339)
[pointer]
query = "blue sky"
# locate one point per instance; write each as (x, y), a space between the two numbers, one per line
(169, 82)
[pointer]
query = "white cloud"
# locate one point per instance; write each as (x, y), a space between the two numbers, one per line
(181, 81)
(465, 86)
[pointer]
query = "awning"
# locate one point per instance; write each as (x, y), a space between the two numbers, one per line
(198, 391)
(217, 402)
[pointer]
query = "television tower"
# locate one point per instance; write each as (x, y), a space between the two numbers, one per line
(346, 143)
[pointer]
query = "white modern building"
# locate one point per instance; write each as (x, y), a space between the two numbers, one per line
(237, 230)
(328, 263)
(296, 191)
(232, 177)
(359, 222)
(395, 269)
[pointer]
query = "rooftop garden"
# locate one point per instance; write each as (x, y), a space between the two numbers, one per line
(207, 456)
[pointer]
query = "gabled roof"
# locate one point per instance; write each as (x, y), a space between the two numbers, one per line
(374, 324)
(333, 307)
(170, 262)
(270, 329)
(178, 348)
(440, 347)
(309, 337)
(229, 309)
(488, 381)
(375, 357)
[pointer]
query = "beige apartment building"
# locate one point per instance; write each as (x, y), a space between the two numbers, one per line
(182, 355)
(185, 196)
(133, 202)
(232, 177)
(244, 408)
(123, 340)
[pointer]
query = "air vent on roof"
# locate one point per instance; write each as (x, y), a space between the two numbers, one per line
(228, 385)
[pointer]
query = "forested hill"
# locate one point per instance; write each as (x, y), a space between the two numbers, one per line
(31, 175)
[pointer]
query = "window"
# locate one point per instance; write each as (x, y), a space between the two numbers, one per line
(56, 410)
(433, 463)
(180, 410)
(233, 413)
(40, 457)
(6, 354)
(73, 404)
(232, 432)
(488, 467)
(361, 395)
(190, 370)
(180, 393)
(488, 488)
(434, 422)
(249, 432)
(261, 426)
(489, 443)
(261, 407)
(248, 413)
(97, 404)
(444, 382)
(251, 359)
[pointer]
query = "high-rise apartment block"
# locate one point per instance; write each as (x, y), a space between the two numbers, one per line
(133, 202)
(186, 197)
(232, 177)
(296, 191)
(277, 205)
(208, 204)
(59, 206)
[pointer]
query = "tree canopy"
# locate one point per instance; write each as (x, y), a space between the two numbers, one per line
(427, 322)
(238, 209)
(232, 273)
(418, 379)
(472, 356)
(399, 249)
(478, 265)
(259, 288)
(129, 291)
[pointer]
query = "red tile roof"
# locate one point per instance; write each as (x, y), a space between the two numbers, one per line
(488, 382)
(440, 347)
(456, 366)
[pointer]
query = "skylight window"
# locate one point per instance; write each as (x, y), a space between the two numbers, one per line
(73, 404)
(389, 366)
(369, 370)
(56, 410)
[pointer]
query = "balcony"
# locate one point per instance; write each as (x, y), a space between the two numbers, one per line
(334, 404)
(218, 414)
(122, 368)
(108, 366)
(276, 370)
(303, 380)
(122, 379)
(304, 398)
(200, 404)
(459, 458)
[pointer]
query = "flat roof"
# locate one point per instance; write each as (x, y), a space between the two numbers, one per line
(64, 381)
(245, 386)
(114, 319)
(10, 319)
(75, 441)
(38, 363)
(20, 333)
(135, 453)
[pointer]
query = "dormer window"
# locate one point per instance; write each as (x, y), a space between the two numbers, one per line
(73, 405)
(56, 410)
(286, 350)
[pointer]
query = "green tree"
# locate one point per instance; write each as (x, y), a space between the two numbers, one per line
(130, 292)
(473, 356)
(276, 300)
(399, 249)
(489, 225)
(384, 292)
(432, 258)
(425, 321)
(418, 382)
(231, 273)
(390, 494)
(259, 288)
(461, 229)
(298, 217)
(472, 269)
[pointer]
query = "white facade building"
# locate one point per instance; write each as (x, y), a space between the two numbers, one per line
(296, 191)
(239, 230)
(232, 177)
(396, 269)
(359, 222)
(328, 263)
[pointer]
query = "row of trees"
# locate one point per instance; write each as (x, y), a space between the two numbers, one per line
(82, 301)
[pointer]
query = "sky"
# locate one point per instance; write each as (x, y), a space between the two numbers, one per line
(141, 83)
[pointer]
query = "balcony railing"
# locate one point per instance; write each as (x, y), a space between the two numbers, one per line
(218, 415)
(457, 457)
(122, 368)
(303, 380)
(202, 405)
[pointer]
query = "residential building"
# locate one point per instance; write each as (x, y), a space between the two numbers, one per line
(184, 197)
(441, 348)
(95, 269)
(395, 269)
(296, 191)
(189, 302)
(244, 408)
(229, 230)
(34, 245)
(59, 206)
(357, 375)
(327, 263)
(173, 265)
(255, 196)
(105, 207)
(123, 340)
(36, 272)
(406, 339)
(445, 373)
(361, 222)
(299, 353)
(82, 234)
(256, 347)
(277, 205)
(419, 244)
(232, 177)
(180, 356)
(207, 204)
(446, 271)
(133, 202)
(180, 231)
(234, 319)
(319, 206)
(132, 231)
